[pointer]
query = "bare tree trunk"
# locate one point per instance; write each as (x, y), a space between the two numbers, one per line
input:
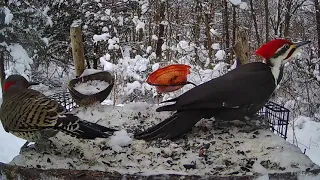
(95, 59)
(140, 31)
(209, 41)
(197, 30)
(226, 24)
(150, 32)
(234, 29)
(234, 24)
(255, 22)
(266, 8)
(161, 29)
(177, 21)
(317, 7)
(277, 30)
(212, 11)
(287, 17)
(85, 50)
(168, 32)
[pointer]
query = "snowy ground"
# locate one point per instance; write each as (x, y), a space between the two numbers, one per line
(307, 137)
(9, 146)
(210, 149)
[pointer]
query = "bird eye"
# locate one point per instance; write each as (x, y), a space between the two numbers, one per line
(286, 46)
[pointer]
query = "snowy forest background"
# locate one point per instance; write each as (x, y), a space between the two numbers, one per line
(132, 38)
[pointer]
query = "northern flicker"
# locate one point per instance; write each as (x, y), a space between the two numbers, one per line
(31, 115)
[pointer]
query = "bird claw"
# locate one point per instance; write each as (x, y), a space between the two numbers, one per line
(39, 146)
(25, 147)
(44, 145)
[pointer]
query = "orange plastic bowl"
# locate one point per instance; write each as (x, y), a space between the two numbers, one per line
(169, 78)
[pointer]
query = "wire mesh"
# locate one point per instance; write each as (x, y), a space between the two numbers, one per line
(277, 116)
(65, 99)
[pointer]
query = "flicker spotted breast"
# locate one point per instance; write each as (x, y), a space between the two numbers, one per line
(31, 115)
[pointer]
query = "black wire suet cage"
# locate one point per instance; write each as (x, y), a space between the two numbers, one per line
(277, 116)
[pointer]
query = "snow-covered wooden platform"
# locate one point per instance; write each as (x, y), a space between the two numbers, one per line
(211, 149)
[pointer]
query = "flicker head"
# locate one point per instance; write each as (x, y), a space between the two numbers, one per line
(17, 80)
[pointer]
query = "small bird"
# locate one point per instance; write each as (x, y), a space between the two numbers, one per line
(32, 116)
(235, 95)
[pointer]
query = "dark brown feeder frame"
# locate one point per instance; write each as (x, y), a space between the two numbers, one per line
(87, 100)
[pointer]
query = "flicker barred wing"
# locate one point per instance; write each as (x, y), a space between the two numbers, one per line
(27, 109)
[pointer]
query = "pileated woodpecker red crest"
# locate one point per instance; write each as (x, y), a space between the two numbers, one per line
(234, 95)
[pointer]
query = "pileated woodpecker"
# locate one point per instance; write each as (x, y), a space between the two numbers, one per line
(235, 95)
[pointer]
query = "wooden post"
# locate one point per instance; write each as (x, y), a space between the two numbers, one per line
(77, 49)
(241, 47)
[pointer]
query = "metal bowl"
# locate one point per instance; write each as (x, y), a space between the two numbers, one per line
(87, 100)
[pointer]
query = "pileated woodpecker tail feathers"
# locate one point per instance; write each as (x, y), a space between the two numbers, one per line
(79, 128)
(170, 100)
(174, 126)
(169, 107)
(166, 108)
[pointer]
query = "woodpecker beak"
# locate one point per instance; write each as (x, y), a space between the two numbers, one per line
(294, 48)
(299, 44)
(33, 83)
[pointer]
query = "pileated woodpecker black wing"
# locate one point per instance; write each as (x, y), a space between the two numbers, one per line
(248, 84)
(227, 97)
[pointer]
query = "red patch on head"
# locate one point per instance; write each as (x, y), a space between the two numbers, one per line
(7, 85)
(268, 49)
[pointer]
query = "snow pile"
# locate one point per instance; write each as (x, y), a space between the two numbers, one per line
(139, 24)
(49, 21)
(130, 87)
(220, 54)
(155, 66)
(113, 43)
(316, 72)
(8, 16)
(133, 67)
(76, 23)
(119, 140)
(107, 66)
(21, 61)
(101, 37)
(215, 46)
(91, 87)
(235, 2)
(242, 5)
(154, 37)
(306, 135)
(46, 41)
(184, 46)
(219, 148)
(88, 72)
(214, 32)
